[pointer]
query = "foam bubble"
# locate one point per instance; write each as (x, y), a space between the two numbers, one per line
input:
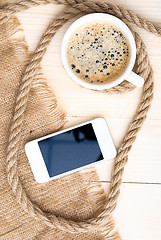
(98, 53)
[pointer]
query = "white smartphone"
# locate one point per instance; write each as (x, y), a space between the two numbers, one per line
(70, 150)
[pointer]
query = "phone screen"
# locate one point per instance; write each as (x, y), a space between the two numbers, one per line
(70, 150)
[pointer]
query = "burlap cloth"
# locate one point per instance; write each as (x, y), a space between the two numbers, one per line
(70, 201)
(71, 198)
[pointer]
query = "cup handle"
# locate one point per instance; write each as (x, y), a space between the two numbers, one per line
(135, 79)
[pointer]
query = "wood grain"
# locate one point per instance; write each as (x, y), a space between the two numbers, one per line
(138, 213)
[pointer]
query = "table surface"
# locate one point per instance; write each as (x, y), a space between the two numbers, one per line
(138, 213)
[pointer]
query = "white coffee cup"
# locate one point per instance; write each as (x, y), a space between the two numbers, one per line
(128, 74)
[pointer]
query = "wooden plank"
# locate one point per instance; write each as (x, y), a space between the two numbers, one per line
(138, 213)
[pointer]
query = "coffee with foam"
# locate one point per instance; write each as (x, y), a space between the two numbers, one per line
(98, 53)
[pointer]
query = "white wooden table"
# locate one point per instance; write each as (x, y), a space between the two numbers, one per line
(138, 214)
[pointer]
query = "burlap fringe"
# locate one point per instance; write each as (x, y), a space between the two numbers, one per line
(49, 101)
(108, 230)
(96, 193)
(95, 190)
(10, 28)
(42, 90)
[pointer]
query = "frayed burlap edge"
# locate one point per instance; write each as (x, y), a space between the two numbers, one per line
(48, 100)
(107, 229)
